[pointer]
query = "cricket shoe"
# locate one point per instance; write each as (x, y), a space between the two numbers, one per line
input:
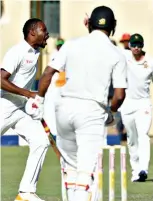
(135, 178)
(27, 197)
(142, 176)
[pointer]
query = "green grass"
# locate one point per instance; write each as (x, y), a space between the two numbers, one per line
(13, 161)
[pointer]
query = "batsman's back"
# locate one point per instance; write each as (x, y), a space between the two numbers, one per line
(91, 60)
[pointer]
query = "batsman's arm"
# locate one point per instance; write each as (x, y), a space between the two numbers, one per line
(118, 98)
(55, 65)
(119, 78)
(45, 80)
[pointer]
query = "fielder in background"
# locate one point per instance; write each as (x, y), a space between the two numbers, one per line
(17, 75)
(136, 110)
(125, 41)
(53, 92)
(59, 42)
(80, 113)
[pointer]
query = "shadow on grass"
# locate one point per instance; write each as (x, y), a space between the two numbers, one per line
(149, 180)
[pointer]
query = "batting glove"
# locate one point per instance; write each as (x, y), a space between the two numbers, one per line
(35, 108)
(109, 119)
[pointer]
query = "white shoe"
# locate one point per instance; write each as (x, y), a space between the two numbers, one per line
(135, 178)
(27, 197)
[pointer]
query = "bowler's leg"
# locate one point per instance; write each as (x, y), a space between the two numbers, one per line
(38, 142)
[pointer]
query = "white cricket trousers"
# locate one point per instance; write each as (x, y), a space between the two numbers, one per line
(33, 132)
(137, 125)
(80, 128)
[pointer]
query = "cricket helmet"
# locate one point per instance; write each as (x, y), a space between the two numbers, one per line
(102, 17)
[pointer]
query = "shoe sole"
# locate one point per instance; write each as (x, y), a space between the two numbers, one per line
(21, 200)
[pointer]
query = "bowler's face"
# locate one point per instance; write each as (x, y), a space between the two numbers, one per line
(42, 34)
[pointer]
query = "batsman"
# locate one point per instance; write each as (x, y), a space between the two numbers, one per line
(89, 62)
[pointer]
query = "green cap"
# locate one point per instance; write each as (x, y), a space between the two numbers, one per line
(59, 42)
(136, 38)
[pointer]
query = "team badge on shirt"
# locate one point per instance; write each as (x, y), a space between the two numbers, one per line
(145, 64)
(102, 21)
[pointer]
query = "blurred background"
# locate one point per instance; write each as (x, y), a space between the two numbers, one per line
(65, 19)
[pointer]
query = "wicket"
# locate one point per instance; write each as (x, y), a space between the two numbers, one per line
(112, 173)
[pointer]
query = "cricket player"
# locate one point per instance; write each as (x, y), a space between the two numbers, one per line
(53, 92)
(125, 40)
(17, 75)
(90, 62)
(136, 110)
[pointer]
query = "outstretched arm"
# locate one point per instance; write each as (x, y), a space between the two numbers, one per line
(119, 77)
(55, 65)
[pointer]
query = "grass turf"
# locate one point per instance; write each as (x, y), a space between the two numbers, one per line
(13, 160)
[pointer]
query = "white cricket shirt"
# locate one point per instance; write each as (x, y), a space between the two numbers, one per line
(89, 63)
(139, 75)
(20, 61)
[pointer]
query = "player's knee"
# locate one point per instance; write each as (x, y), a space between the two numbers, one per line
(69, 177)
(84, 181)
(42, 140)
(144, 136)
(44, 143)
(135, 157)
